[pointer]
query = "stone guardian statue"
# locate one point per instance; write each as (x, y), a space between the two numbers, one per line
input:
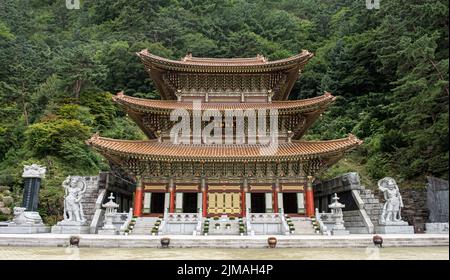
(74, 188)
(391, 213)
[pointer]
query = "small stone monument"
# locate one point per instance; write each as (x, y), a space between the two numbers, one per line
(26, 218)
(391, 219)
(111, 210)
(437, 204)
(338, 217)
(74, 220)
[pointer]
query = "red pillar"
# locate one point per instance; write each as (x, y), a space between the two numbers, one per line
(243, 203)
(275, 201)
(172, 200)
(204, 202)
(309, 195)
(137, 211)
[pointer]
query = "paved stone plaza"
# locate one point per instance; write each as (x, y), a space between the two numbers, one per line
(368, 253)
(226, 242)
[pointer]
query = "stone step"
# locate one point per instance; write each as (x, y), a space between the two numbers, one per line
(303, 227)
(354, 224)
(357, 230)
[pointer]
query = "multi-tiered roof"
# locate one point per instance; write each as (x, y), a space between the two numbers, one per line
(222, 84)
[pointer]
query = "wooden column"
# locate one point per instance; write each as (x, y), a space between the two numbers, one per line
(243, 203)
(275, 200)
(172, 196)
(138, 197)
(204, 197)
(244, 199)
(309, 195)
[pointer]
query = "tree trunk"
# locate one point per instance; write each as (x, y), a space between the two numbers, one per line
(77, 89)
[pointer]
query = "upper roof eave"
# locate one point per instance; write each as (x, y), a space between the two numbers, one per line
(149, 105)
(257, 64)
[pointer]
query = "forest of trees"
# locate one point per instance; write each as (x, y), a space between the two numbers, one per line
(59, 69)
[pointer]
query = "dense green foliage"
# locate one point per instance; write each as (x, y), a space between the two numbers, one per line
(388, 68)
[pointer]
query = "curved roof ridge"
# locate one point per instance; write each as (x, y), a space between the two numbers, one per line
(217, 61)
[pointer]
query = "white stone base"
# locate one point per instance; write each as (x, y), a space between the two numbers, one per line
(108, 231)
(13, 228)
(70, 229)
(436, 228)
(340, 232)
(395, 229)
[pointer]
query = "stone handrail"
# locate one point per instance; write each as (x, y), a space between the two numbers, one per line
(98, 213)
(127, 221)
(164, 221)
(248, 223)
(198, 228)
(284, 222)
(366, 219)
(322, 226)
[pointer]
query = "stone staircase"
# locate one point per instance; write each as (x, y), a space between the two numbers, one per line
(354, 220)
(90, 196)
(303, 226)
(372, 205)
(144, 225)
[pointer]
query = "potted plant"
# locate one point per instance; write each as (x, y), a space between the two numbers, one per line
(127, 231)
(216, 218)
(232, 218)
(165, 241)
(217, 225)
(228, 226)
(272, 241)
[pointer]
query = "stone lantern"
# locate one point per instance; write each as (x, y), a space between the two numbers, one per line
(111, 209)
(338, 217)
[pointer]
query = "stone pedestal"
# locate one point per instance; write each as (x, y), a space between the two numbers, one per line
(24, 222)
(70, 227)
(441, 228)
(395, 228)
(19, 229)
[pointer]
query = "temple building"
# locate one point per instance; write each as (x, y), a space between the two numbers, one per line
(226, 178)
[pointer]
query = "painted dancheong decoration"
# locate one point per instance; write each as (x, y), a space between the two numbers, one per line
(233, 179)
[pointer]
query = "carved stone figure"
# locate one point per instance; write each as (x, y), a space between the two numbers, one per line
(391, 213)
(33, 171)
(74, 187)
(22, 217)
